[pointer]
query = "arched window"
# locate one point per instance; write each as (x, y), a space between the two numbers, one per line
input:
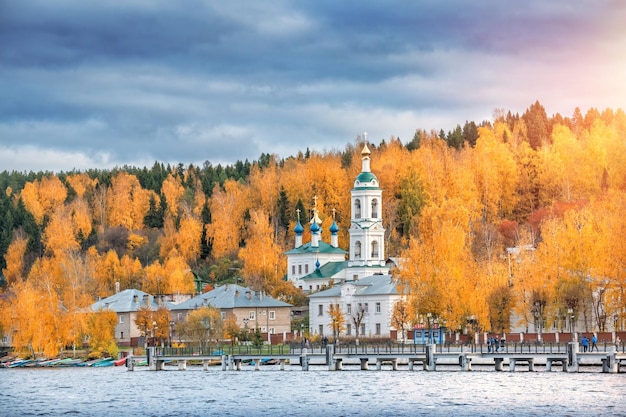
(375, 208)
(357, 209)
(357, 250)
(375, 249)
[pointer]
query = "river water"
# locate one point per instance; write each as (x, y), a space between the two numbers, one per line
(114, 391)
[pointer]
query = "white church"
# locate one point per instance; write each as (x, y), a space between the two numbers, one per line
(360, 285)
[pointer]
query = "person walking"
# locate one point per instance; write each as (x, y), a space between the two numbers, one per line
(585, 343)
(594, 343)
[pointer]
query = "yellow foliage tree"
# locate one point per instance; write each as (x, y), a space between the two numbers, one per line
(227, 211)
(14, 258)
(101, 331)
(263, 259)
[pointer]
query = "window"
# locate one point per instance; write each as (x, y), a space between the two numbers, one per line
(251, 316)
(272, 330)
(299, 269)
(121, 335)
(366, 308)
(121, 319)
(363, 329)
(349, 309)
(320, 310)
(374, 208)
(378, 329)
(375, 249)
(357, 250)
(378, 308)
(357, 209)
(223, 314)
(293, 270)
(272, 315)
(306, 268)
(263, 329)
(349, 329)
(321, 329)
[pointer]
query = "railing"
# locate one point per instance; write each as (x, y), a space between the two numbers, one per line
(370, 348)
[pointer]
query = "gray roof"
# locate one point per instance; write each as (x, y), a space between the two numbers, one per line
(128, 301)
(230, 296)
(371, 285)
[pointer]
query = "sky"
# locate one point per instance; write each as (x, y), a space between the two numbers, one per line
(97, 85)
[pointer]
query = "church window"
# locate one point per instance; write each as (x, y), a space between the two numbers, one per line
(357, 250)
(306, 268)
(293, 270)
(349, 308)
(357, 209)
(375, 208)
(375, 249)
(299, 269)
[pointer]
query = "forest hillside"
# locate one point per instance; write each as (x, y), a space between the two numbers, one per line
(520, 214)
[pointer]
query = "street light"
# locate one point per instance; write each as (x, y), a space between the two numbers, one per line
(539, 317)
(570, 312)
(154, 329)
(245, 325)
(428, 316)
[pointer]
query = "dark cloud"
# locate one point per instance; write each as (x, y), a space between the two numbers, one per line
(113, 83)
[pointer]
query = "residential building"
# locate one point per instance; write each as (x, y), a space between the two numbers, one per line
(126, 304)
(250, 309)
(367, 305)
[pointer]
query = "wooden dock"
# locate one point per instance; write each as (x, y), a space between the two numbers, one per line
(569, 360)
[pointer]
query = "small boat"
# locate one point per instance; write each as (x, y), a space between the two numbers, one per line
(120, 362)
(103, 362)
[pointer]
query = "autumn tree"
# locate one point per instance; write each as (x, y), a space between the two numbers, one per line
(101, 331)
(202, 326)
(337, 320)
(401, 317)
(227, 207)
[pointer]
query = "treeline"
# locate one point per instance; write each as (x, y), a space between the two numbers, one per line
(452, 203)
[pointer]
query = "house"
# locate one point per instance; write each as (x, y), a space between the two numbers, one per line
(368, 302)
(126, 304)
(251, 309)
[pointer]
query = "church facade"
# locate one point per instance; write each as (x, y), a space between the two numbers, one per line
(361, 284)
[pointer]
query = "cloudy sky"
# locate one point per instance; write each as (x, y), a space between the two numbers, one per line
(102, 84)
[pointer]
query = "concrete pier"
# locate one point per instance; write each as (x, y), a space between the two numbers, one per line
(335, 358)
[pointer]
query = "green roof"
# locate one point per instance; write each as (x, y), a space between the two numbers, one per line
(323, 247)
(327, 270)
(366, 177)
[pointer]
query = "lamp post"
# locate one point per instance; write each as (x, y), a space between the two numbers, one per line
(428, 316)
(539, 319)
(154, 330)
(570, 313)
(245, 331)
(171, 334)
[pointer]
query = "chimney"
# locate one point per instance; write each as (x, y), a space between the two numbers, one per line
(135, 298)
